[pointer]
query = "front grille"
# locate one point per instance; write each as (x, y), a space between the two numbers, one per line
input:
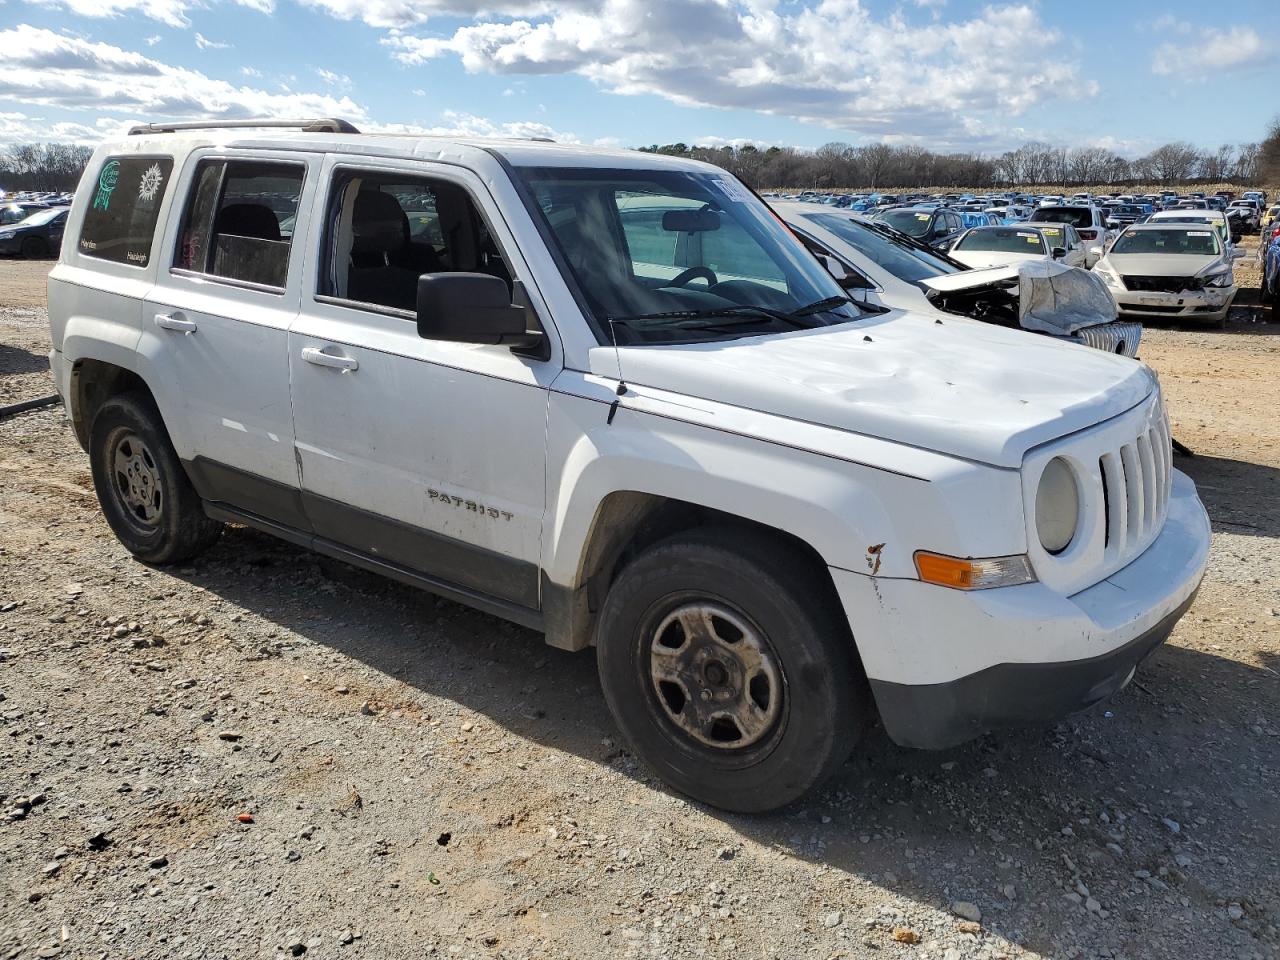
(1136, 478)
(1124, 473)
(1118, 337)
(1162, 284)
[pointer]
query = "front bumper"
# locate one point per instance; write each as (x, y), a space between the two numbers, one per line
(1211, 303)
(946, 665)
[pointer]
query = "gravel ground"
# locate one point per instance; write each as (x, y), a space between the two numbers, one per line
(267, 754)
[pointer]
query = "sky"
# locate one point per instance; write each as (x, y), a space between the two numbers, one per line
(944, 74)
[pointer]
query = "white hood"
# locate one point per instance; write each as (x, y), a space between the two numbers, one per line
(1162, 264)
(958, 387)
(981, 259)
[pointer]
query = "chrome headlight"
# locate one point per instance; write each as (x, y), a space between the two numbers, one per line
(1219, 278)
(1057, 506)
(6, 234)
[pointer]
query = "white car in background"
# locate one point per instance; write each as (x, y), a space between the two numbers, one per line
(1089, 220)
(1214, 218)
(885, 268)
(1174, 270)
(984, 247)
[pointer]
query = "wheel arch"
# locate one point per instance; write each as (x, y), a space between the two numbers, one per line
(624, 524)
(94, 382)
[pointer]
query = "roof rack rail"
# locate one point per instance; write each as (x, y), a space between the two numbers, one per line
(318, 125)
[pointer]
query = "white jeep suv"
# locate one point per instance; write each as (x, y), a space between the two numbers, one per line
(609, 396)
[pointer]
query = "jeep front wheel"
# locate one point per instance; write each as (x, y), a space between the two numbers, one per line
(145, 495)
(728, 667)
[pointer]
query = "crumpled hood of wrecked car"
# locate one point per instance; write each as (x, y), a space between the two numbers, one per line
(959, 387)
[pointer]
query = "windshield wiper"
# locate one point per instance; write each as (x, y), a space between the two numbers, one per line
(713, 317)
(738, 315)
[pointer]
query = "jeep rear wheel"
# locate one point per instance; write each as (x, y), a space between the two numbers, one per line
(145, 495)
(729, 669)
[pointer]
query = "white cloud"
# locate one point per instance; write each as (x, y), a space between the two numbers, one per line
(47, 69)
(1210, 52)
(204, 43)
(795, 61)
(458, 124)
(172, 12)
(340, 80)
(401, 14)
(153, 40)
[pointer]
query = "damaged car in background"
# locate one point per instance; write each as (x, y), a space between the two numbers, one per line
(885, 267)
(1173, 270)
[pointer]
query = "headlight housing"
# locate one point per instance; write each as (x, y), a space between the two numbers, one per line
(1219, 278)
(1109, 276)
(1057, 506)
(6, 234)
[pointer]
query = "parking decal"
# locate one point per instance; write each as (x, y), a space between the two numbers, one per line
(106, 185)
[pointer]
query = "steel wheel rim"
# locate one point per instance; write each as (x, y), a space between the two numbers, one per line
(715, 676)
(136, 477)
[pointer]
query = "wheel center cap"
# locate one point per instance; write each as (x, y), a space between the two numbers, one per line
(715, 673)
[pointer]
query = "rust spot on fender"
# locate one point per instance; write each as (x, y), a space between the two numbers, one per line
(873, 557)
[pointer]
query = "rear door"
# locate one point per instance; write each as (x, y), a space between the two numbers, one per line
(216, 326)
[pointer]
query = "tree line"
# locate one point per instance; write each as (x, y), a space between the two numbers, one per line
(57, 166)
(883, 166)
(43, 166)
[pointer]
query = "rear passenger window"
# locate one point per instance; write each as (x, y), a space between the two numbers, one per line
(239, 221)
(120, 222)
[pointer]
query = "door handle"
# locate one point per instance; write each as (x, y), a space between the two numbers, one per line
(171, 322)
(321, 359)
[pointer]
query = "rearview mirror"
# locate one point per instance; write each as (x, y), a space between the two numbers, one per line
(1058, 252)
(471, 308)
(690, 221)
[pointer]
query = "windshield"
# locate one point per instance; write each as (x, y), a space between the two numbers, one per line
(1076, 216)
(1201, 243)
(901, 259)
(12, 214)
(1002, 240)
(41, 217)
(914, 223)
(658, 255)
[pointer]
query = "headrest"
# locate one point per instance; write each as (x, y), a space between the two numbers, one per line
(377, 223)
(248, 220)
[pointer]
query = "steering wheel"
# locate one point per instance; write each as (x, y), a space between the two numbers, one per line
(682, 280)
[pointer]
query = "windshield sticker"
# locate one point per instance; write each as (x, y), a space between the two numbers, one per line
(106, 185)
(149, 185)
(1033, 240)
(732, 189)
(922, 216)
(1199, 233)
(1032, 236)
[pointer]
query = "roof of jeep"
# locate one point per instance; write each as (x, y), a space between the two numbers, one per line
(517, 152)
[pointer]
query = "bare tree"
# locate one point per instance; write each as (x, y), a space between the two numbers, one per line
(44, 166)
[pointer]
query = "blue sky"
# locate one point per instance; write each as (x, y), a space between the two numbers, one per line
(947, 74)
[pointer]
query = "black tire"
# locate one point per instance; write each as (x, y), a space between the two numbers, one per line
(35, 248)
(154, 510)
(772, 592)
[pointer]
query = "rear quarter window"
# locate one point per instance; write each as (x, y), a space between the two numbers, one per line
(124, 204)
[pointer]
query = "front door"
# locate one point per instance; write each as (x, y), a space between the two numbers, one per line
(216, 328)
(427, 455)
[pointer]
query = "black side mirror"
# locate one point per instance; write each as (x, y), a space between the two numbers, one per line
(471, 308)
(1058, 252)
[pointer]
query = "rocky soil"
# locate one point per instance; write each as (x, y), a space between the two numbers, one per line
(265, 754)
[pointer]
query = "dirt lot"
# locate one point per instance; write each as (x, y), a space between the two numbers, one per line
(264, 754)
